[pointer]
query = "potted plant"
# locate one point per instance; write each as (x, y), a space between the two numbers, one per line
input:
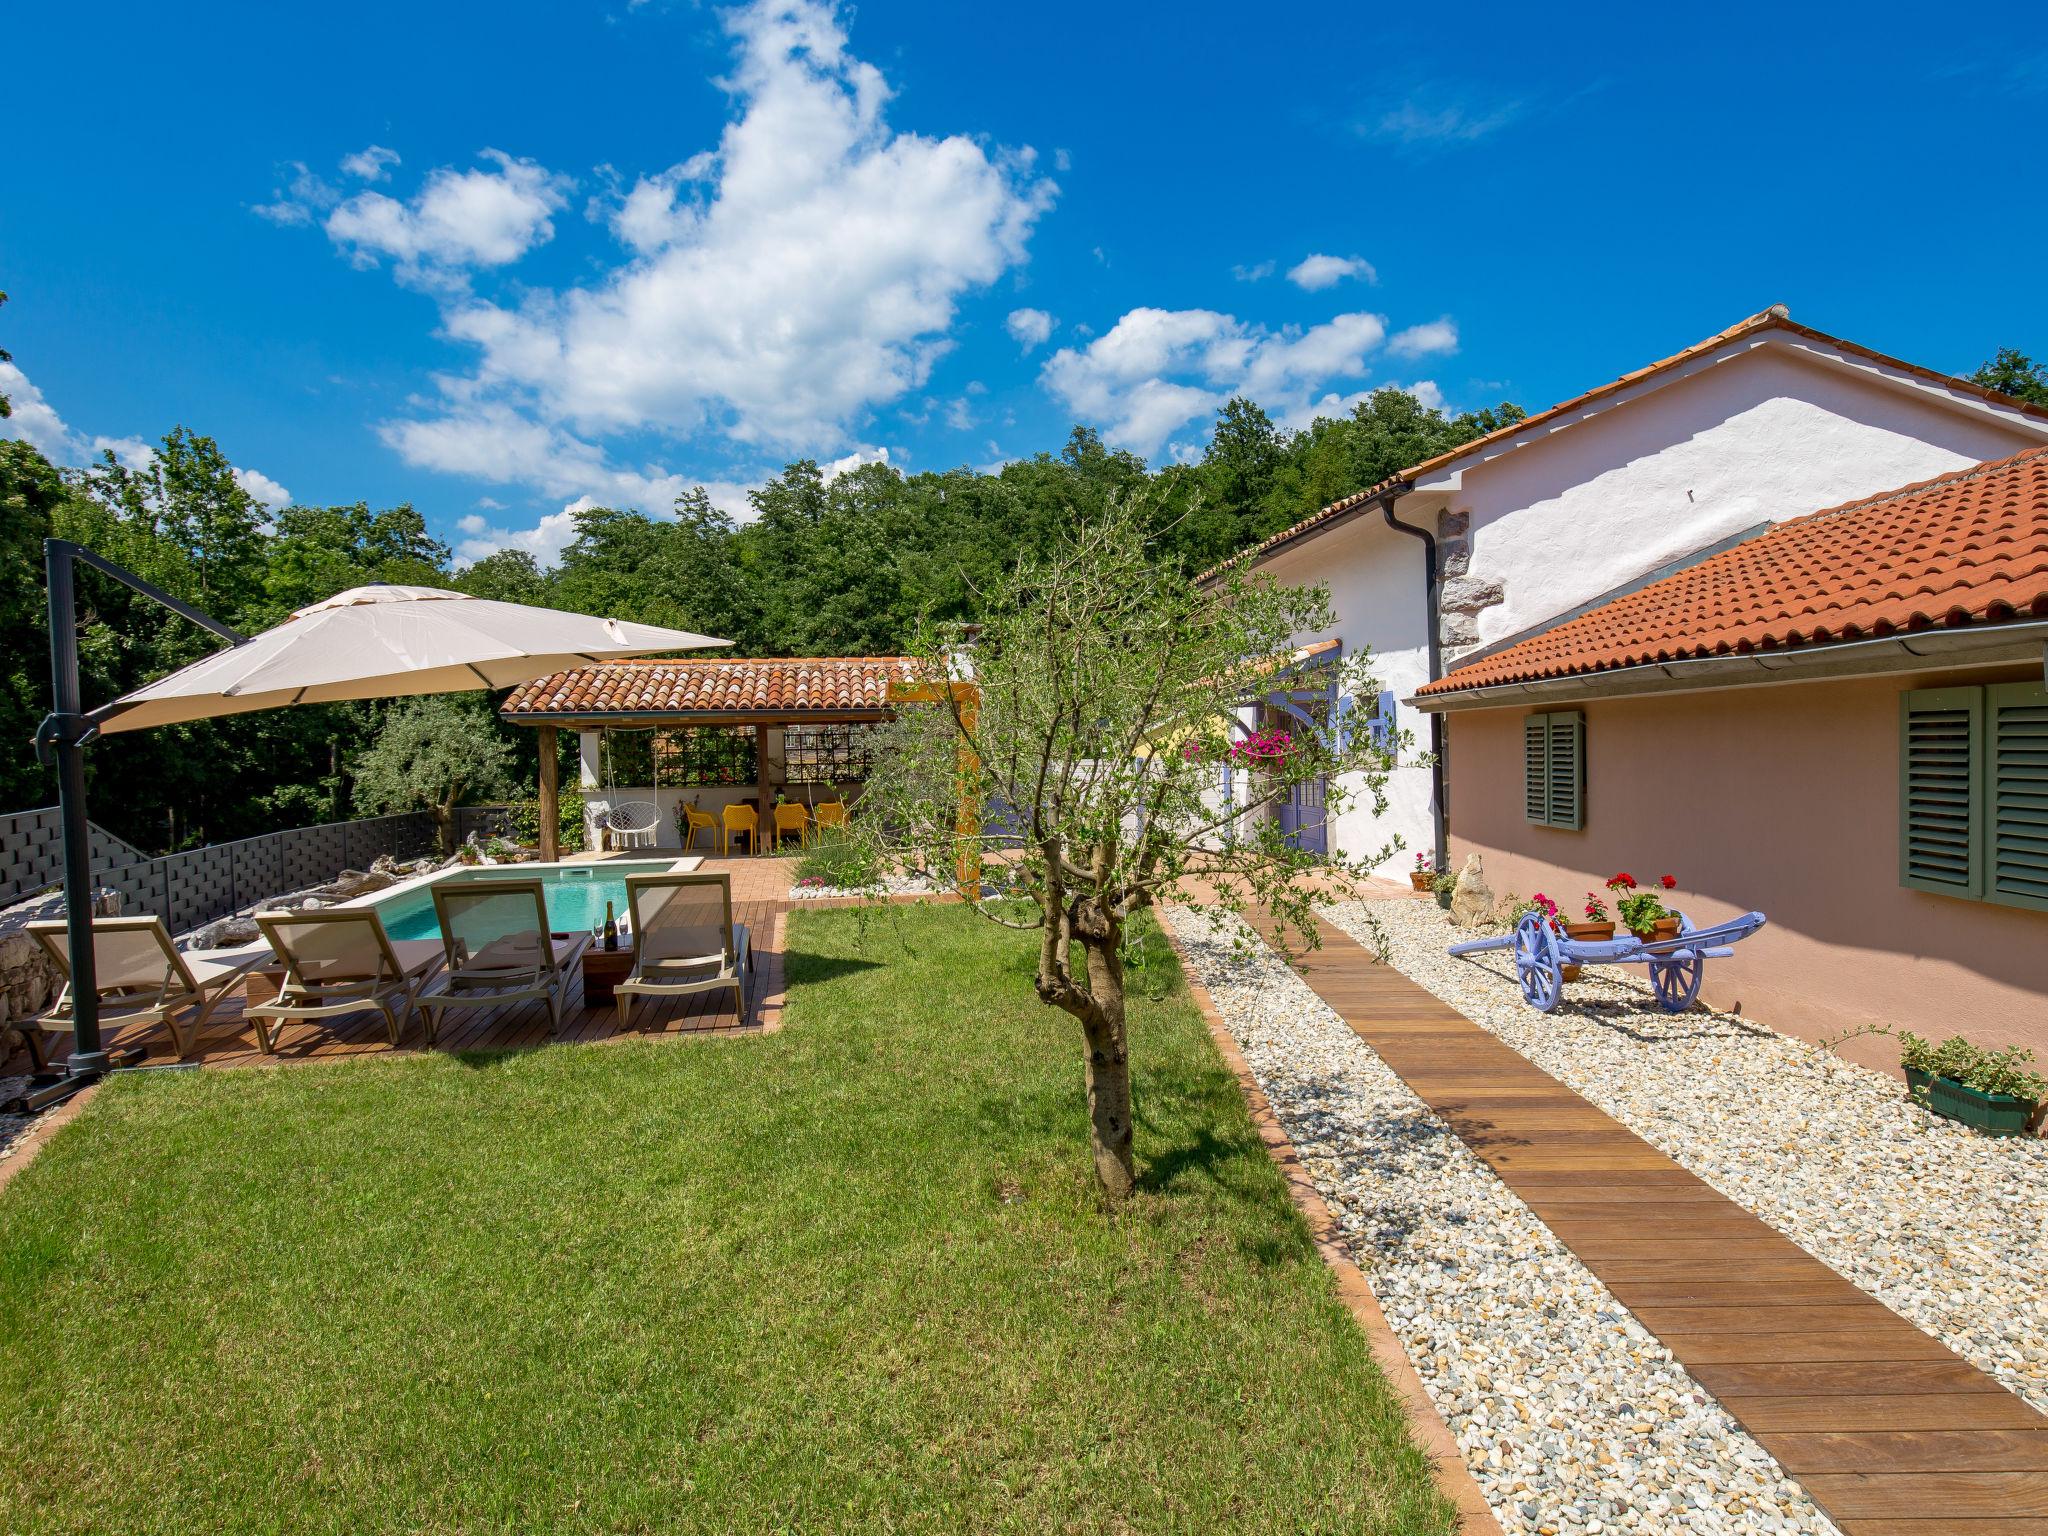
(1443, 885)
(1643, 913)
(1598, 926)
(1423, 873)
(1993, 1091)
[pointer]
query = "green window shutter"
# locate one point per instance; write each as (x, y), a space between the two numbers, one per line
(1567, 770)
(1536, 767)
(2015, 805)
(1941, 800)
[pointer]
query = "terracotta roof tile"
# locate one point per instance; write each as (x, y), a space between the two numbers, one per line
(792, 686)
(1776, 318)
(1965, 548)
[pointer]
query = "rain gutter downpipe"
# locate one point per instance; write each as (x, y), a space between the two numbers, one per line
(1438, 808)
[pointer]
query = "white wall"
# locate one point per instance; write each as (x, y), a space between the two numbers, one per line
(1762, 436)
(1374, 576)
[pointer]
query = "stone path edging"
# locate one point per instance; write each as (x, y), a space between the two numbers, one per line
(1454, 1478)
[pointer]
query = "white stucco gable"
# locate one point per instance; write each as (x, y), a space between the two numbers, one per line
(1771, 423)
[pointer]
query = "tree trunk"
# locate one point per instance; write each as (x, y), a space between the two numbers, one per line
(1109, 1071)
(444, 828)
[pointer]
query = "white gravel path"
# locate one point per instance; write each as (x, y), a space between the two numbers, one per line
(1943, 1225)
(1572, 1417)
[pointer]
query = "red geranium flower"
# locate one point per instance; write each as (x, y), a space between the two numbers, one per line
(1669, 882)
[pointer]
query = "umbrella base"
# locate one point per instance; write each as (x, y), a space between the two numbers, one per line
(44, 1089)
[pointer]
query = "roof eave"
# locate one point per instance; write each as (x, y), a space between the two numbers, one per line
(1932, 650)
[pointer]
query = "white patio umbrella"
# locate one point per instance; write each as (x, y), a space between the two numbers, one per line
(367, 643)
(382, 641)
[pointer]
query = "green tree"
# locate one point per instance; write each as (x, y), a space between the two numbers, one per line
(30, 492)
(430, 755)
(2013, 373)
(1103, 680)
(506, 576)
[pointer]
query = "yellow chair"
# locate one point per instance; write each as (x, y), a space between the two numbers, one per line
(695, 821)
(831, 814)
(789, 818)
(741, 818)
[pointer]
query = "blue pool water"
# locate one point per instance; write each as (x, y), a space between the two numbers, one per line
(575, 897)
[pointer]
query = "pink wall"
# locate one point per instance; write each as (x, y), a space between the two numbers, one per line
(1782, 799)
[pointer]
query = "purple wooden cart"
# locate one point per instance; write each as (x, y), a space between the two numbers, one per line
(1677, 965)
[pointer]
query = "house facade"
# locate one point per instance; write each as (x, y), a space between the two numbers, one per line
(1581, 503)
(1842, 723)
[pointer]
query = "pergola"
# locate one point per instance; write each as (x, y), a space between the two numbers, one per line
(727, 693)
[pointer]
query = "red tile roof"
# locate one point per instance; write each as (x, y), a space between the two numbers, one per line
(787, 686)
(1776, 318)
(1965, 548)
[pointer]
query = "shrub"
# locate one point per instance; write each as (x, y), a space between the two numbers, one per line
(569, 822)
(836, 859)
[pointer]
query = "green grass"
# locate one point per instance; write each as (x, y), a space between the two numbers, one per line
(848, 1277)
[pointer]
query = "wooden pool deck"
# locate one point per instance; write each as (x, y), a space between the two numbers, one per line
(1891, 1432)
(760, 889)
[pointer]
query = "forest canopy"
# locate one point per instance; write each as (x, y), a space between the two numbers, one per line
(824, 565)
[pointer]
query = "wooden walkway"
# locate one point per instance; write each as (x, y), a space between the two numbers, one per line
(760, 900)
(1891, 1432)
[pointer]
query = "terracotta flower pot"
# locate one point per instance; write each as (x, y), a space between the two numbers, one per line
(1590, 933)
(1663, 928)
(1421, 878)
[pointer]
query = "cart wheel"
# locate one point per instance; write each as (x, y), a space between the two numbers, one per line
(1537, 966)
(1677, 982)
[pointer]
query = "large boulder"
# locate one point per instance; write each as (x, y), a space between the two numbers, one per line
(1472, 899)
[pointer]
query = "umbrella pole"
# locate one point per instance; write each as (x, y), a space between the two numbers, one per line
(60, 743)
(67, 735)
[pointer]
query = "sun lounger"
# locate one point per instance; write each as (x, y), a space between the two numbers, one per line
(684, 940)
(338, 961)
(141, 978)
(495, 936)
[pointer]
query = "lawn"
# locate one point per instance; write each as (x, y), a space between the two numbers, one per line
(851, 1276)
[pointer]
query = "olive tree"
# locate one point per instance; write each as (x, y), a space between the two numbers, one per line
(1085, 727)
(432, 753)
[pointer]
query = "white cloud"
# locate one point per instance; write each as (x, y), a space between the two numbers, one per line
(1425, 340)
(1030, 327)
(1319, 272)
(1156, 370)
(960, 416)
(1258, 272)
(262, 488)
(545, 541)
(482, 218)
(35, 421)
(1430, 119)
(372, 163)
(851, 461)
(1427, 392)
(774, 290)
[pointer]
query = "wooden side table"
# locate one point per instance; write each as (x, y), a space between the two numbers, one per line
(604, 969)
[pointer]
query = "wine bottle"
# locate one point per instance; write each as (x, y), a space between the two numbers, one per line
(611, 927)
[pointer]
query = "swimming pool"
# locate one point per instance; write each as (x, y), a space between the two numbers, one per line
(575, 894)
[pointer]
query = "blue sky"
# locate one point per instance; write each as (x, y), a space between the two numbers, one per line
(497, 259)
